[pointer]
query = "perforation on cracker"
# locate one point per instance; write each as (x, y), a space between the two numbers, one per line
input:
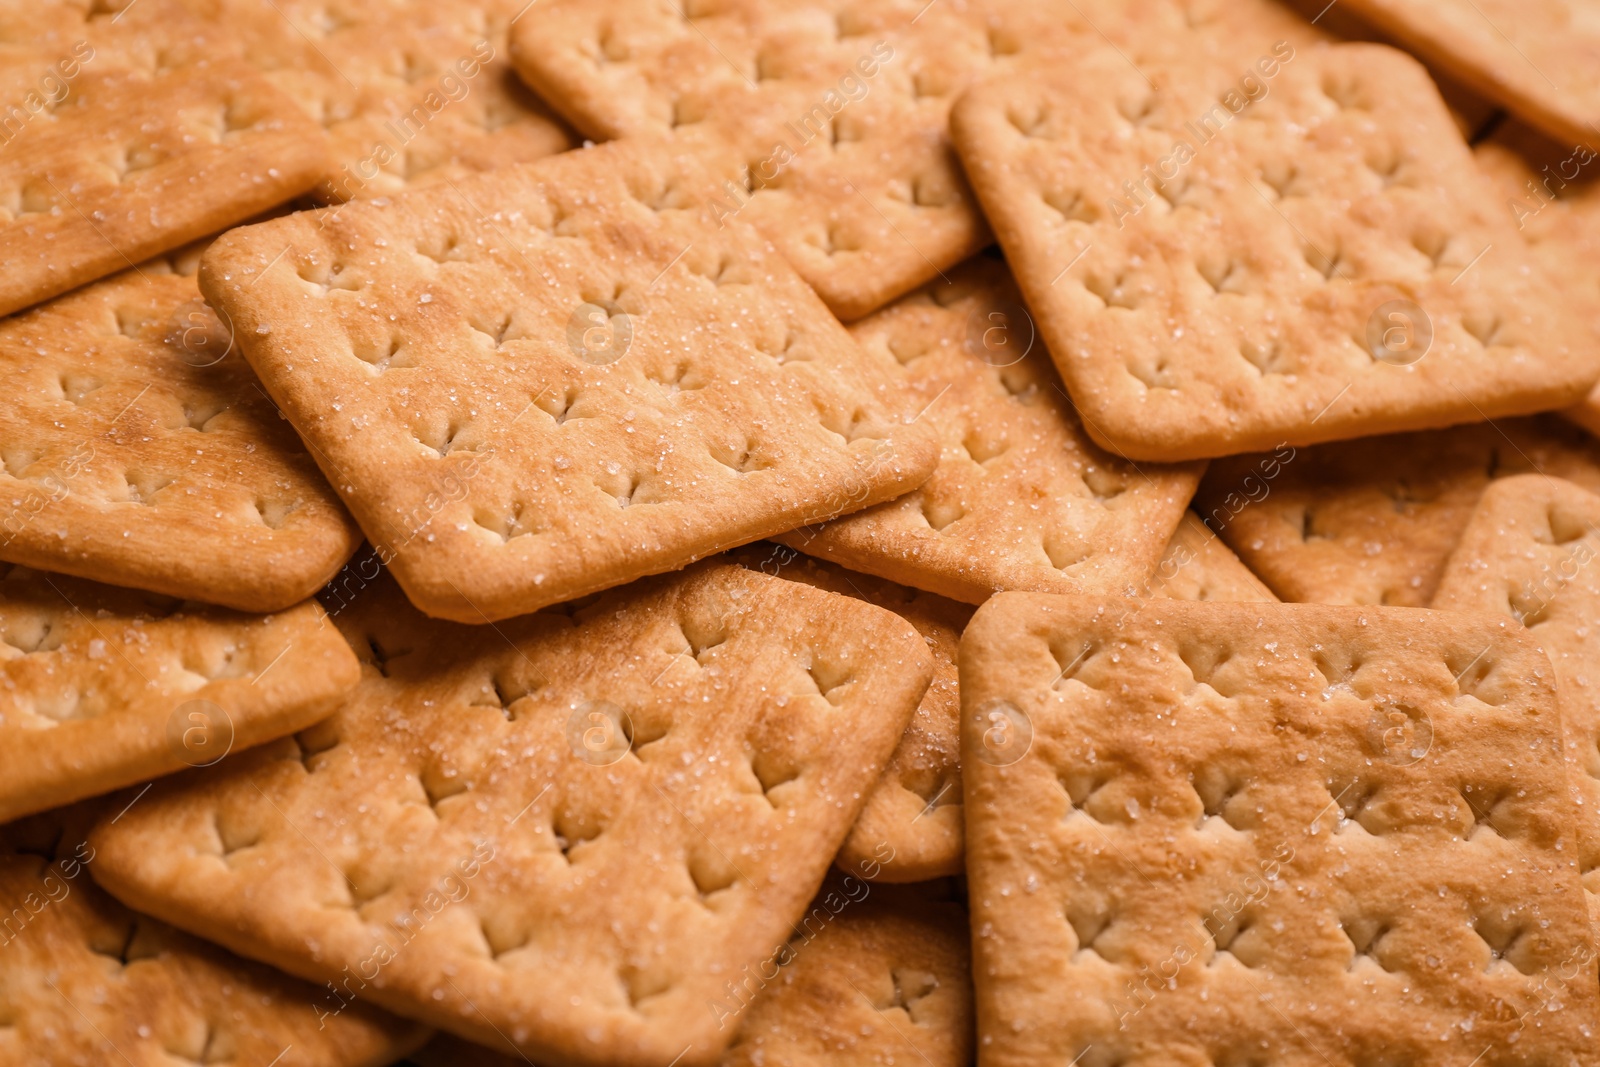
(590, 790)
(1371, 522)
(1272, 802)
(1022, 498)
(1222, 267)
(155, 139)
(577, 387)
(104, 687)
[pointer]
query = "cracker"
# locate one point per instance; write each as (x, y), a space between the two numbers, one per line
(86, 981)
(865, 981)
(1198, 566)
(1371, 522)
(1553, 194)
(410, 94)
(102, 687)
(579, 379)
(1022, 498)
(1319, 237)
(158, 138)
(1258, 833)
(1528, 553)
(1536, 60)
(910, 828)
(835, 113)
(567, 830)
(137, 448)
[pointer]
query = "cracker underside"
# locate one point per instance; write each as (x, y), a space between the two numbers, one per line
(1179, 812)
(613, 810)
(583, 380)
(1022, 498)
(1371, 522)
(1214, 275)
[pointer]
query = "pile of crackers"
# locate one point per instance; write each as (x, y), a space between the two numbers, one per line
(778, 533)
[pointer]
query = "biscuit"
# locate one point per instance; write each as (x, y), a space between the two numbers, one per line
(1528, 553)
(868, 979)
(580, 379)
(1261, 833)
(1536, 60)
(1371, 522)
(569, 830)
(137, 448)
(158, 138)
(1198, 566)
(103, 687)
(410, 94)
(1022, 498)
(910, 828)
(86, 981)
(1222, 264)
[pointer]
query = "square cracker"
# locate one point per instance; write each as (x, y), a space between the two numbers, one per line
(86, 981)
(1538, 60)
(1022, 498)
(567, 830)
(410, 94)
(577, 379)
(1261, 833)
(870, 978)
(160, 138)
(910, 828)
(137, 448)
(1197, 565)
(1372, 521)
(1529, 552)
(102, 687)
(1252, 296)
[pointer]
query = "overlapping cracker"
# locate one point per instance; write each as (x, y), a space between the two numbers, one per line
(1537, 60)
(86, 981)
(1222, 263)
(1529, 552)
(130, 131)
(1257, 833)
(1022, 498)
(410, 94)
(578, 378)
(910, 828)
(835, 113)
(868, 979)
(1552, 192)
(1198, 566)
(1372, 521)
(137, 448)
(570, 830)
(103, 687)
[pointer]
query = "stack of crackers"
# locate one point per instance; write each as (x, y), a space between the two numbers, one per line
(672, 533)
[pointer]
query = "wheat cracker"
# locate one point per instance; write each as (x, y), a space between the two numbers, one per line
(88, 982)
(1022, 498)
(1248, 833)
(1220, 266)
(579, 378)
(910, 828)
(103, 687)
(410, 93)
(148, 134)
(1372, 521)
(1197, 565)
(137, 448)
(1535, 59)
(1526, 554)
(570, 829)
